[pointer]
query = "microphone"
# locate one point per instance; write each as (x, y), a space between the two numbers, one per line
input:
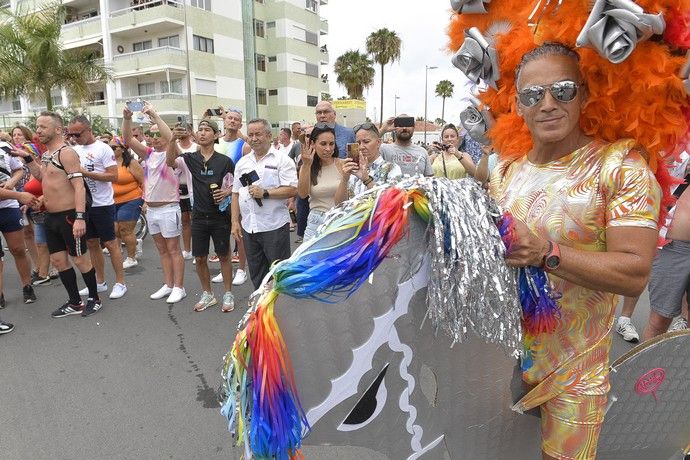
(248, 179)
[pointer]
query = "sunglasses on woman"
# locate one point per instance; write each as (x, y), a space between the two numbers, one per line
(368, 126)
(562, 91)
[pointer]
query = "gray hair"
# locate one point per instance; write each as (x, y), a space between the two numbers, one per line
(57, 119)
(546, 49)
(263, 121)
(81, 119)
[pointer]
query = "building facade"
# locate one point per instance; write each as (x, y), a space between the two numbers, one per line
(191, 53)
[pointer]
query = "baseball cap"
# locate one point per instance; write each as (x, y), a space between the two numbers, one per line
(211, 124)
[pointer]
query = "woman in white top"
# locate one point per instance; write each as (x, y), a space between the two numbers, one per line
(319, 174)
(371, 169)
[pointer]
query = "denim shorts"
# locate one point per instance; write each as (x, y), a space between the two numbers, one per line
(40, 233)
(129, 211)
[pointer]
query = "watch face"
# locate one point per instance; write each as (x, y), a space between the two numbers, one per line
(553, 262)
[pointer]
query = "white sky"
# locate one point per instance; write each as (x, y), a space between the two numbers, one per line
(422, 28)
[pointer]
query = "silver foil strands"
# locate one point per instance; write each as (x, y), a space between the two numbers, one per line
(470, 288)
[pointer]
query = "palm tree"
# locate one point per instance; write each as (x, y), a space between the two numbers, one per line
(444, 89)
(34, 62)
(355, 72)
(384, 46)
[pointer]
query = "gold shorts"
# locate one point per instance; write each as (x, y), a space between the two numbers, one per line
(570, 425)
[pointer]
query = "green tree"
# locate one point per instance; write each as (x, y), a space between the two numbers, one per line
(444, 89)
(384, 46)
(33, 62)
(440, 121)
(326, 97)
(355, 72)
(99, 125)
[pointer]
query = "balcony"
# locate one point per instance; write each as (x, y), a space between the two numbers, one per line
(148, 61)
(324, 27)
(165, 103)
(155, 16)
(81, 30)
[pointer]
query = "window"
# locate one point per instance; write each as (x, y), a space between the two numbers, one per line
(203, 44)
(261, 62)
(203, 4)
(272, 59)
(311, 38)
(260, 1)
(145, 89)
(206, 87)
(311, 5)
(312, 101)
(173, 40)
(311, 69)
(57, 100)
(141, 46)
(271, 25)
(174, 87)
(16, 106)
(259, 29)
(261, 96)
(272, 92)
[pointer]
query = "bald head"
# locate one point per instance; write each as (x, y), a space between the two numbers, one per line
(325, 112)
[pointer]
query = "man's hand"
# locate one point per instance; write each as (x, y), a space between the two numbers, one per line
(178, 132)
(78, 228)
(236, 230)
(219, 195)
(20, 152)
(27, 199)
(256, 191)
(527, 248)
(388, 125)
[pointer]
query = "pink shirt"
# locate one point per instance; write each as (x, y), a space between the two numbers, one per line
(161, 182)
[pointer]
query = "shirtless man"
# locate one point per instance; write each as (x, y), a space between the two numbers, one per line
(670, 279)
(64, 197)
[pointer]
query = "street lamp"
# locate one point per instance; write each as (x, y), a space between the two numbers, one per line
(396, 104)
(426, 81)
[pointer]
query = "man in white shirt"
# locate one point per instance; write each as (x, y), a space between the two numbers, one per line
(286, 145)
(264, 227)
(100, 171)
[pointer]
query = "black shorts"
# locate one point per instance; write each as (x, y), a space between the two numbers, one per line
(59, 236)
(185, 205)
(207, 226)
(10, 220)
(101, 223)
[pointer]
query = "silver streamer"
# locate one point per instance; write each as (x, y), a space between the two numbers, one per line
(469, 6)
(615, 27)
(471, 288)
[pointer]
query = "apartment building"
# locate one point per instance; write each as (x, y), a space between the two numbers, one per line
(180, 52)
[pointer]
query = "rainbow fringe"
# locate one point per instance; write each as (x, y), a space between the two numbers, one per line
(33, 148)
(262, 404)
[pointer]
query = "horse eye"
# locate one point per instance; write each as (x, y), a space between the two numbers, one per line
(369, 405)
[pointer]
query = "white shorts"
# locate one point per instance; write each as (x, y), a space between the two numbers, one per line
(165, 220)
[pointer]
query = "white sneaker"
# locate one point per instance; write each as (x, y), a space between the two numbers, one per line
(118, 291)
(162, 292)
(139, 250)
(102, 287)
(678, 324)
(176, 295)
(626, 329)
(106, 251)
(129, 263)
(187, 255)
(218, 278)
(240, 277)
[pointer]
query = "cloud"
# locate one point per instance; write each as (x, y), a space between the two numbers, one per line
(422, 29)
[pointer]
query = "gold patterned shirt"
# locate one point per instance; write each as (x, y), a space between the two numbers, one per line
(572, 201)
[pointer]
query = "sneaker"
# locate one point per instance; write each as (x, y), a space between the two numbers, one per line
(118, 291)
(240, 277)
(92, 306)
(187, 255)
(129, 263)
(235, 258)
(228, 302)
(53, 274)
(68, 309)
(162, 292)
(6, 328)
(218, 278)
(2, 300)
(176, 295)
(207, 300)
(214, 258)
(678, 324)
(37, 280)
(101, 287)
(106, 251)
(627, 331)
(299, 240)
(140, 250)
(29, 294)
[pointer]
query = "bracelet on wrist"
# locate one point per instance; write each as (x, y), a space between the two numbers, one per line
(80, 215)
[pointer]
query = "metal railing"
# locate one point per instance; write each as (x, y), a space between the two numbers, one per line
(150, 51)
(152, 97)
(141, 5)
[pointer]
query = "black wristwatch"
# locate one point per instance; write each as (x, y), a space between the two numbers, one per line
(80, 215)
(266, 194)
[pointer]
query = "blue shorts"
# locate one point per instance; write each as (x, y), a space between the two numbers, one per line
(129, 211)
(10, 220)
(101, 223)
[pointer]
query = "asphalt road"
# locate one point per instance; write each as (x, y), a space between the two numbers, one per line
(136, 380)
